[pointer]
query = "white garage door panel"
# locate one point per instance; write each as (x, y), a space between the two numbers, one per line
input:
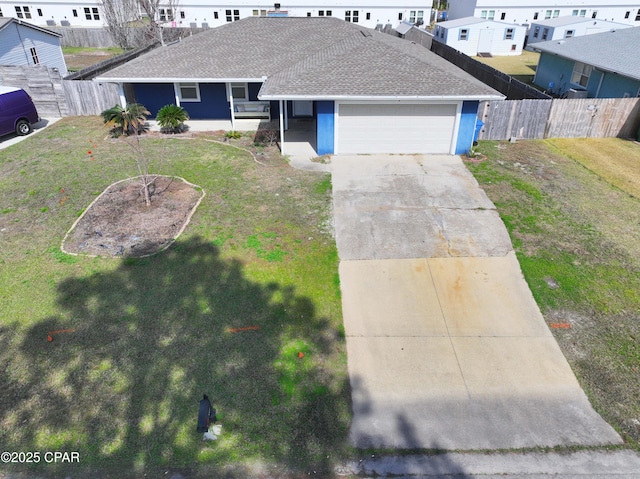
(367, 128)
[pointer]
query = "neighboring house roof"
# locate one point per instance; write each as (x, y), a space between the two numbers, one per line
(404, 27)
(6, 21)
(462, 22)
(614, 51)
(303, 57)
(573, 20)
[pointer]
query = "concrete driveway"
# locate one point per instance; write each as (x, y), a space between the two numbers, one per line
(446, 346)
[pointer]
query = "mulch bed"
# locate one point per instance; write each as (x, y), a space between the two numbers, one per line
(119, 224)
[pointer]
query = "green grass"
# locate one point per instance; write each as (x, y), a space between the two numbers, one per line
(75, 50)
(576, 239)
(142, 339)
(522, 67)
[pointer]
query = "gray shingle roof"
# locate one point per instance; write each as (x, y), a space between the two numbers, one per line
(574, 20)
(321, 57)
(614, 51)
(5, 21)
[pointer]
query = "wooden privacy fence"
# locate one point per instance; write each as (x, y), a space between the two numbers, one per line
(560, 118)
(55, 97)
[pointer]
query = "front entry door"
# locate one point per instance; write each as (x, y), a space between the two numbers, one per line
(302, 108)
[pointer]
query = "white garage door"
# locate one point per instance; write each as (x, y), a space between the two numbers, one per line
(397, 128)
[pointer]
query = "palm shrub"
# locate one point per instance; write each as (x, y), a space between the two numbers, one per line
(126, 121)
(171, 118)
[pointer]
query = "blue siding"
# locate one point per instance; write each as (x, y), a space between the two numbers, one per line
(154, 95)
(213, 104)
(254, 88)
(552, 68)
(325, 111)
(467, 128)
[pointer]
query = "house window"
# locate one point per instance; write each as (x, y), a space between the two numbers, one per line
(23, 12)
(464, 34)
(182, 15)
(416, 17)
(568, 34)
(91, 13)
(263, 13)
(583, 13)
(166, 15)
(503, 15)
(236, 15)
(328, 13)
(308, 14)
(581, 74)
(483, 14)
(491, 15)
(368, 15)
(321, 13)
(188, 92)
(400, 16)
(356, 13)
(228, 15)
(75, 12)
(347, 15)
(547, 14)
(255, 13)
(626, 15)
(536, 31)
(39, 12)
(34, 56)
(556, 13)
(508, 34)
(535, 16)
(239, 91)
(545, 33)
(513, 48)
(215, 15)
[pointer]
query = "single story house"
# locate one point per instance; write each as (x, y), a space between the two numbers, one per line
(602, 65)
(366, 91)
(22, 43)
(473, 36)
(569, 27)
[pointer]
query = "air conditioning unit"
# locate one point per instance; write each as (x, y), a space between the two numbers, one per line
(575, 93)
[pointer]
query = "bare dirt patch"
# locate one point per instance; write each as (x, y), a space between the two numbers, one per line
(119, 224)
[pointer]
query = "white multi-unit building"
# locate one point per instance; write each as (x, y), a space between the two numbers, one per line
(568, 27)
(202, 13)
(528, 11)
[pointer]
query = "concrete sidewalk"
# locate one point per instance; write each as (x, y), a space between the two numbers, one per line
(446, 346)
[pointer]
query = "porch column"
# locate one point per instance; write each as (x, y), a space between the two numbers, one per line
(233, 120)
(282, 116)
(286, 116)
(123, 97)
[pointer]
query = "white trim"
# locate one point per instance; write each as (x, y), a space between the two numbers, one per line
(176, 93)
(456, 129)
(238, 84)
(410, 99)
(179, 80)
(123, 97)
(281, 127)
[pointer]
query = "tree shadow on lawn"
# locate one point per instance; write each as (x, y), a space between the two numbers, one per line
(146, 340)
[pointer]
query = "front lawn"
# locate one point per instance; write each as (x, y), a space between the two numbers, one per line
(576, 237)
(225, 311)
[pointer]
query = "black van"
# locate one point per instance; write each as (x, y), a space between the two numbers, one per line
(17, 111)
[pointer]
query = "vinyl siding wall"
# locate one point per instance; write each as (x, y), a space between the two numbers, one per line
(17, 40)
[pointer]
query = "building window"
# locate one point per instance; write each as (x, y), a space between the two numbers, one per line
(356, 14)
(503, 15)
(545, 33)
(228, 15)
(188, 92)
(574, 13)
(328, 13)
(547, 14)
(166, 15)
(536, 31)
(255, 13)
(23, 12)
(39, 12)
(483, 14)
(491, 15)
(556, 13)
(215, 15)
(263, 13)
(308, 14)
(638, 16)
(416, 17)
(535, 16)
(91, 13)
(182, 15)
(581, 74)
(626, 15)
(236, 15)
(321, 13)
(368, 15)
(513, 48)
(400, 16)
(75, 12)
(594, 14)
(239, 91)
(34, 56)
(1, 15)
(508, 34)
(568, 34)
(583, 13)
(347, 15)
(464, 34)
